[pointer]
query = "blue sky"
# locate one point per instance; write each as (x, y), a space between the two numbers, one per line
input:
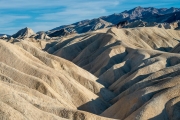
(47, 14)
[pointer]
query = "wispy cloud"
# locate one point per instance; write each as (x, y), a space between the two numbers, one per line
(6, 4)
(6, 23)
(47, 14)
(9, 18)
(76, 11)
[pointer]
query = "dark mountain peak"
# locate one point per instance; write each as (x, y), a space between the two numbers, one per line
(97, 20)
(59, 33)
(81, 22)
(138, 8)
(142, 9)
(173, 9)
(137, 15)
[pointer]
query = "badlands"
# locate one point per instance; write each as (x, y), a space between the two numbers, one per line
(123, 74)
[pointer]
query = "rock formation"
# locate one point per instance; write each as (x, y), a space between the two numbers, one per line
(128, 62)
(84, 26)
(36, 85)
(23, 33)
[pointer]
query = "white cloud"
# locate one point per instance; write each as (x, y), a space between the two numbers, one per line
(9, 30)
(71, 14)
(6, 4)
(75, 11)
(6, 23)
(64, 12)
(9, 18)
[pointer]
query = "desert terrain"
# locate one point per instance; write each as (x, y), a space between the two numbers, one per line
(103, 72)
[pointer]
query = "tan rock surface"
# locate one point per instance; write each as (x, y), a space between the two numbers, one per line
(36, 85)
(137, 76)
(128, 62)
(24, 33)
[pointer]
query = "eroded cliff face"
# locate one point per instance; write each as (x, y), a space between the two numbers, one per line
(36, 85)
(108, 74)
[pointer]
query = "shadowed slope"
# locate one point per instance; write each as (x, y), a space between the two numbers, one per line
(36, 85)
(145, 80)
(140, 81)
(110, 47)
(176, 49)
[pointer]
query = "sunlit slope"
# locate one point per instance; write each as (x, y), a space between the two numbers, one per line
(36, 85)
(137, 76)
(135, 64)
(99, 51)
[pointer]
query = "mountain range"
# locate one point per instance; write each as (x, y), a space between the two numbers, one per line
(150, 15)
(136, 17)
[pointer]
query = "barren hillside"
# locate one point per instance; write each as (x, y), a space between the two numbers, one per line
(36, 85)
(135, 64)
(108, 74)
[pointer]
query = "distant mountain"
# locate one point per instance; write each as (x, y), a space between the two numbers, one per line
(24, 33)
(139, 13)
(59, 33)
(167, 21)
(3, 35)
(136, 17)
(85, 26)
(150, 15)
